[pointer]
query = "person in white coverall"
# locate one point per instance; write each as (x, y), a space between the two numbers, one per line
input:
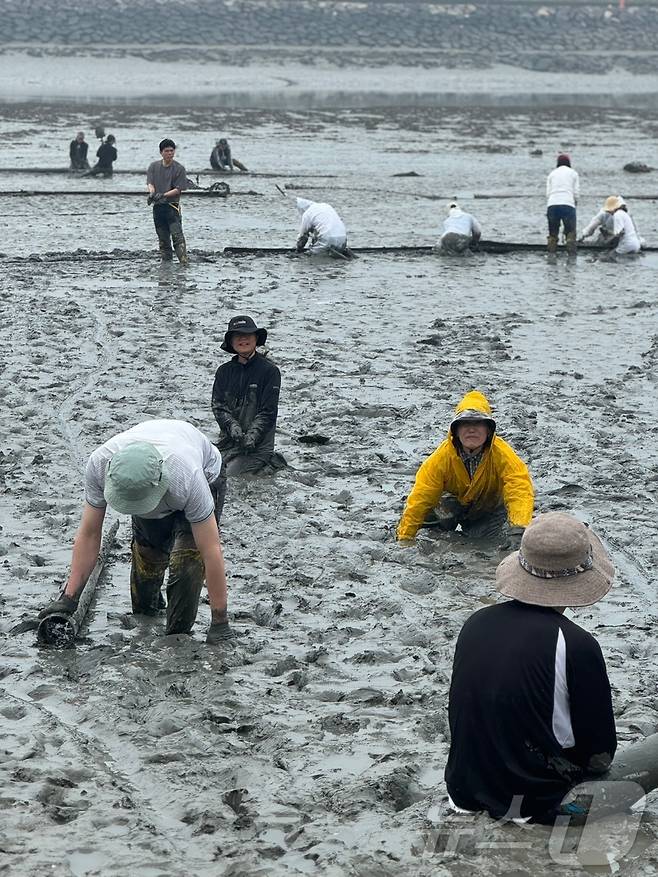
(616, 226)
(460, 230)
(562, 191)
(323, 225)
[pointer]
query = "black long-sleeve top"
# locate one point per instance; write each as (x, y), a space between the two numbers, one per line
(530, 711)
(78, 153)
(247, 395)
(106, 155)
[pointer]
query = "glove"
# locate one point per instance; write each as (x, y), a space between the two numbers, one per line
(248, 444)
(581, 239)
(219, 631)
(512, 542)
(235, 433)
(301, 243)
(63, 605)
(155, 198)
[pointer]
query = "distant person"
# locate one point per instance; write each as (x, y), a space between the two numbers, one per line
(625, 240)
(562, 192)
(473, 479)
(245, 401)
(78, 152)
(166, 179)
(603, 222)
(221, 158)
(461, 231)
(322, 224)
(106, 155)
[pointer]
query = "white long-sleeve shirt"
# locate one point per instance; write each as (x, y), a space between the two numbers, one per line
(562, 187)
(459, 222)
(603, 220)
(322, 219)
(624, 225)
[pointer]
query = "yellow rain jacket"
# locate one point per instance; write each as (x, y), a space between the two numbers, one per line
(501, 475)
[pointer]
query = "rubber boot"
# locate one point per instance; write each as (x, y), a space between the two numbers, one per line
(181, 252)
(551, 244)
(164, 243)
(571, 243)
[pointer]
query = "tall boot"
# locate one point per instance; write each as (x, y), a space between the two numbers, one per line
(571, 243)
(551, 243)
(164, 244)
(181, 252)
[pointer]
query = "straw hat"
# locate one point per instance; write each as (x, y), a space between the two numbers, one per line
(614, 202)
(560, 563)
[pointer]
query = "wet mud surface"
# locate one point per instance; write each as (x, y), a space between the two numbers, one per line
(316, 742)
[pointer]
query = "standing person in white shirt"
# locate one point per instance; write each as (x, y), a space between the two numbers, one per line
(562, 191)
(324, 226)
(167, 476)
(460, 231)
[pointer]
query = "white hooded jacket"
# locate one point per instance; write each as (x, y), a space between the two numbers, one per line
(459, 222)
(322, 219)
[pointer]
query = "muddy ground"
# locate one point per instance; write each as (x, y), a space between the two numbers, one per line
(316, 743)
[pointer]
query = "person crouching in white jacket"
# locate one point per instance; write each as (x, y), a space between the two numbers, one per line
(323, 225)
(460, 231)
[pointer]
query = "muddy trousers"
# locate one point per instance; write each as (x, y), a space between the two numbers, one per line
(165, 543)
(168, 221)
(483, 525)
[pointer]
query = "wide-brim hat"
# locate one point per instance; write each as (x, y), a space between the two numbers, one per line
(136, 479)
(561, 562)
(614, 202)
(246, 326)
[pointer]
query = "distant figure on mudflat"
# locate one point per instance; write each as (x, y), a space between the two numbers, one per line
(78, 152)
(473, 479)
(245, 401)
(322, 224)
(562, 192)
(617, 229)
(221, 158)
(166, 179)
(106, 155)
(461, 231)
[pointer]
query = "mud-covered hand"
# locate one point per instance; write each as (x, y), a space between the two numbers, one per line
(235, 433)
(219, 632)
(155, 198)
(512, 539)
(249, 443)
(301, 243)
(63, 605)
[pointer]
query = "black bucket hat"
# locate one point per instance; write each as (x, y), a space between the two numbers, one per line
(244, 325)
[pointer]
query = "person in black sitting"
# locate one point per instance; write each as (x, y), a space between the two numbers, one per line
(106, 155)
(78, 152)
(221, 158)
(245, 401)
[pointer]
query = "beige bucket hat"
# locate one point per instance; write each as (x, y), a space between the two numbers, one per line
(560, 563)
(614, 202)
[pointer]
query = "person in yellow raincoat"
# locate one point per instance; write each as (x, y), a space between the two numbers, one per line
(473, 478)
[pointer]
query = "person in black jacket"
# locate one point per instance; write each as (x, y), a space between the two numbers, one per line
(106, 155)
(245, 400)
(530, 708)
(78, 153)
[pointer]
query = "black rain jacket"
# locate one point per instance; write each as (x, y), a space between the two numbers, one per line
(247, 395)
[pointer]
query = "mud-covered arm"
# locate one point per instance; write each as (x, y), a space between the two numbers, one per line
(220, 408)
(206, 537)
(267, 410)
(591, 227)
(85, 549)
(590, 705)
(518, 492)
(425, 494)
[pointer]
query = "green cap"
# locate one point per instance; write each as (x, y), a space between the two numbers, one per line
(136, 479)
